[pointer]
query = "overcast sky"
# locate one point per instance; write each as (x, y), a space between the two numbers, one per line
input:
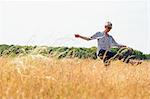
(55, 23)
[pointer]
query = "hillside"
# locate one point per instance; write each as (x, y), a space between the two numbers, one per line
(69, 73)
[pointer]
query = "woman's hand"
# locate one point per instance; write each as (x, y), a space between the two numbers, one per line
(123, 46)
(77, 35)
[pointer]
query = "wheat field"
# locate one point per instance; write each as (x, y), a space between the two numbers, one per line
(39, 77)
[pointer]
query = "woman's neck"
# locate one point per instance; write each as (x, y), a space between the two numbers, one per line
(106, 33)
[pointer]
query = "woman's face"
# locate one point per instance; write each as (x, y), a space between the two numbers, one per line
(107, 28)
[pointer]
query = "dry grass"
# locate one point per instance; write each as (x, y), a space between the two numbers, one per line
(39, 77)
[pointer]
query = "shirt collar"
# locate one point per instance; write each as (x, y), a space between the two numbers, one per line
(104, 34)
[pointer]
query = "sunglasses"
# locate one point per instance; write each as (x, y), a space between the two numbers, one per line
(109, 27)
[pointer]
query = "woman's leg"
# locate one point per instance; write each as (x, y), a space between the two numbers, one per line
(107, 57)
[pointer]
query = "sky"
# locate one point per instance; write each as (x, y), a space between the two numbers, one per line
(54, 23)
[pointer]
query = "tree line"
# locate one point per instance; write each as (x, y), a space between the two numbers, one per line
(58, 52)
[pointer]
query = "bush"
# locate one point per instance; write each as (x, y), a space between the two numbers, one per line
(58, 52)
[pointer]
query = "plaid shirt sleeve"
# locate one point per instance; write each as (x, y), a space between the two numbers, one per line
(114, 43)
(96, 35)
